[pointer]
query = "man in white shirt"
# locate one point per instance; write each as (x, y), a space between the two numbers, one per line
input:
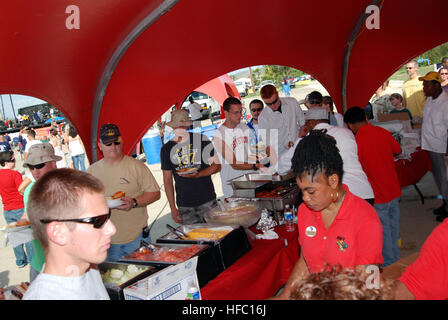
(282, 117)
(31, 137)
(70, 217)
(354, 176)
(231, 141)
(195, 109)
(434, 134)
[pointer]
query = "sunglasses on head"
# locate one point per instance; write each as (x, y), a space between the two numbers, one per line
(272, 103)
(256, 109)
(97, 221)
(116, 143)
(37, 166)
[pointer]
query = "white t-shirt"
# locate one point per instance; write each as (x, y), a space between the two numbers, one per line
(30, 143)
(286, 123)
(195, 111)
(88, 286)
(435, 123)
(354, 176)
(237, 141)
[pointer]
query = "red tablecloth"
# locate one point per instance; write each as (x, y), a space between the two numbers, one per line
(411, 171)
(259, 273)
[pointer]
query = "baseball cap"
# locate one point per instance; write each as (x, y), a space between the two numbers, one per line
(432, 76)
(40, 153)
(179, 118)
(109, 133)
(316, 113)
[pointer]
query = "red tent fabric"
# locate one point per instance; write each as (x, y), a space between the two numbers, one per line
(131, 60)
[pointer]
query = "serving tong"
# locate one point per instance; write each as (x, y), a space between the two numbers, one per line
(177, 232)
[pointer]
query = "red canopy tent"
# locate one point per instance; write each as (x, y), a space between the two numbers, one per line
(130, 60)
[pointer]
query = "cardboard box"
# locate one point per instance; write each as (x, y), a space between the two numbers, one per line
(171, 283)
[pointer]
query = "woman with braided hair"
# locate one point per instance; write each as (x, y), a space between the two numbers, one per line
(335, 226)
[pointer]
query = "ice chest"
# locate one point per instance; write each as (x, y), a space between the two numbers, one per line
(115, 287)
(171, 283)
(228, 249)
(208, 266)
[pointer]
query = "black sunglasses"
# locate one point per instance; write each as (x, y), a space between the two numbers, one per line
(97, 221)
(12, 160)
(112, 143)
(37, 166)
(257, 109)
(272, 103)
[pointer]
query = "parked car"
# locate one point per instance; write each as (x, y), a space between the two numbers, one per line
(242, 88)
(290, 80)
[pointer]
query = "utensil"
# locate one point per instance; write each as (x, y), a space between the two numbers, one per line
(176, 231)
(147, 245)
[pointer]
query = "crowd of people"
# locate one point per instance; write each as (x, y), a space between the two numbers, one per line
(344, 167)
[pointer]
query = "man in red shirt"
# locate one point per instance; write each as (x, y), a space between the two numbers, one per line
(376, 150)
(13, 206)
(427, 277)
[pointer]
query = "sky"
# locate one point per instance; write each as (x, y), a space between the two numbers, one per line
(19, 101)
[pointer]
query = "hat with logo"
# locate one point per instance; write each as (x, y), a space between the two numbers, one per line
(432, 76)
(109, 133)
(40, 153)
(179, 118)
(316, 113)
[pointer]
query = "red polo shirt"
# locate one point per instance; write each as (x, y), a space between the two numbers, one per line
(376, 148)
(10, 181)
(427, 277)
(354, 238)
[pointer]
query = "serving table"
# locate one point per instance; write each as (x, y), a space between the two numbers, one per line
(260, 272)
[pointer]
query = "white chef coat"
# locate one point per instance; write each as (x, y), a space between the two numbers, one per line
(435, 123)
(354, 176)
(287, 123)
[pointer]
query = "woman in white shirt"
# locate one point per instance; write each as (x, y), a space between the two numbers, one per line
(76, 148)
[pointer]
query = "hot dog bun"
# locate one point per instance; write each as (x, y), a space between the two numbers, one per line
(118, 195)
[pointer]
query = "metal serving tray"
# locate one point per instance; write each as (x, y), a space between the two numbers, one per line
(133, 257)
(256, 180)
(170, 237)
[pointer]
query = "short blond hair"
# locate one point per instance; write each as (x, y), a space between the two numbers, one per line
(58, 195)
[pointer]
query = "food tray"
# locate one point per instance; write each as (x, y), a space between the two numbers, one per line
(170, 237)
(164, 255)
(227, 250)
(14, 229)
(115, 288)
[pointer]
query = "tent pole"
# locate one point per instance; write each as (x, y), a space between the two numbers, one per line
(348, 51)
(113, 61)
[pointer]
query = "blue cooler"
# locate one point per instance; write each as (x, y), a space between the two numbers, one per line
(152, 143)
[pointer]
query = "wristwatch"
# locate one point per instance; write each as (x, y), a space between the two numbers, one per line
(135, 203)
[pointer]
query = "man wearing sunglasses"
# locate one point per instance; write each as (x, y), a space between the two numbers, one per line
(256, 140)
(413, 97)
(284, 116)
(70, 218)
(119, 172)
(41, 159)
